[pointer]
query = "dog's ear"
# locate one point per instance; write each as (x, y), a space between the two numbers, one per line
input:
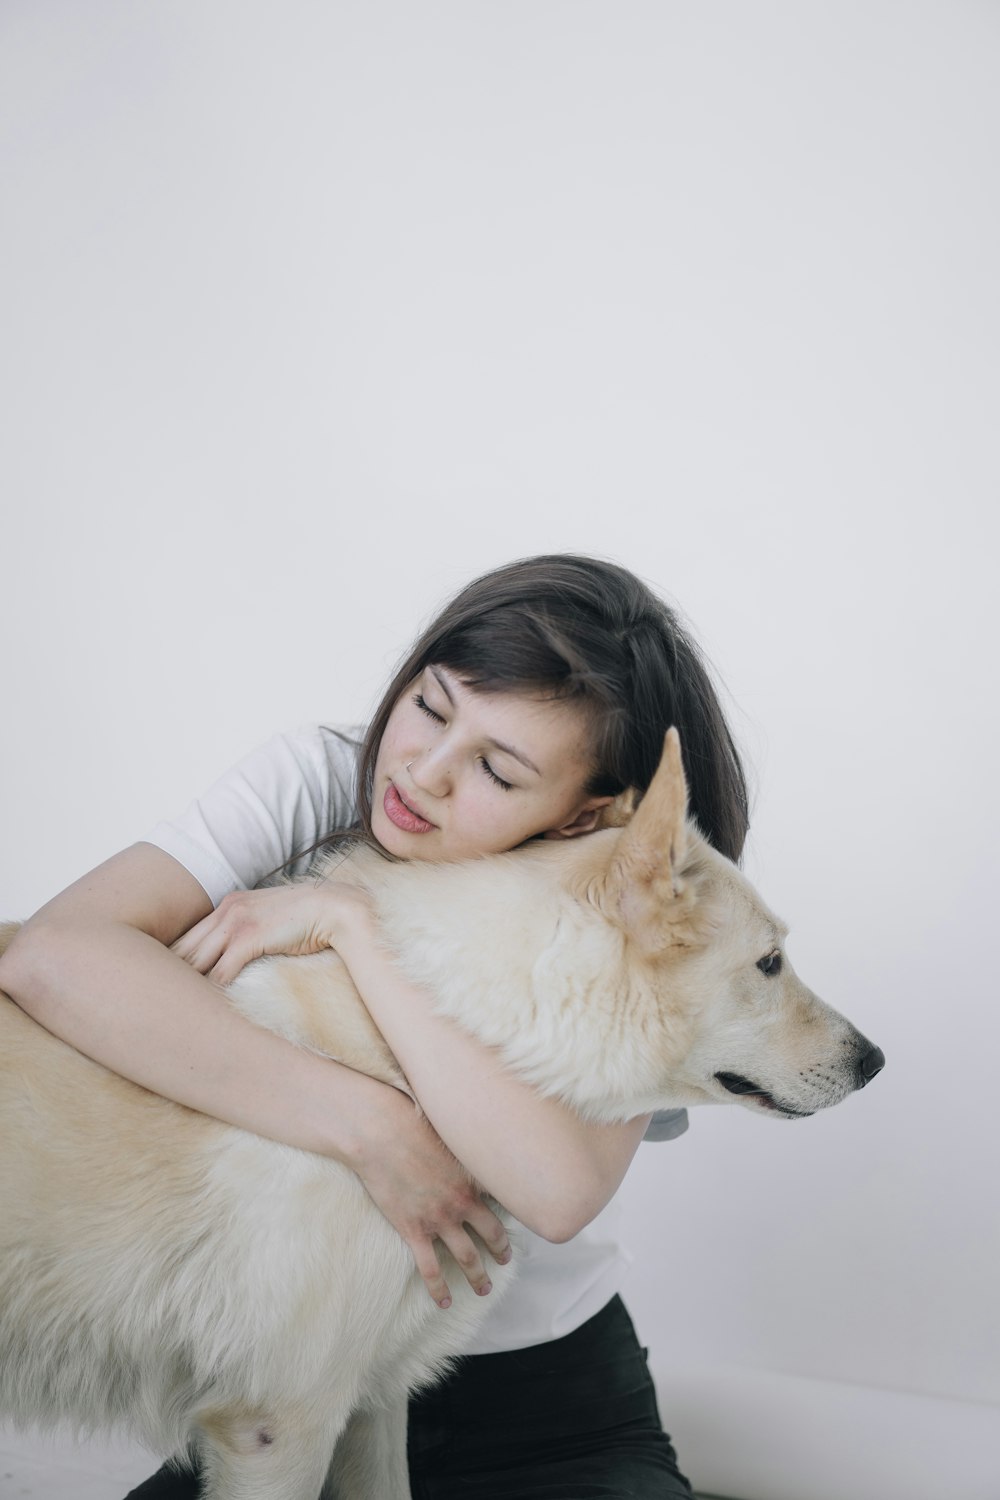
(643, 885)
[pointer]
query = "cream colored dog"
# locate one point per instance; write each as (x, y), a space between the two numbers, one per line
(205, 1288)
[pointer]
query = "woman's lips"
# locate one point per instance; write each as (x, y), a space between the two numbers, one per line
(404, 817)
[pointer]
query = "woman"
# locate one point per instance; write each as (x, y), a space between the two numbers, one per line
(540, 692)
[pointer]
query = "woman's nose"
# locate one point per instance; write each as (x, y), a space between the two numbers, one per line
(430, 773)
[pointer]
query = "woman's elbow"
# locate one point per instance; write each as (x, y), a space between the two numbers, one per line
(14, 960)
(31, 960)
(572, 1190)
(559, 1231)
(561, 1215)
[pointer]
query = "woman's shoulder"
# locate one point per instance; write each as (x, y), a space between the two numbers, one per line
(341, 743)
(281, 798)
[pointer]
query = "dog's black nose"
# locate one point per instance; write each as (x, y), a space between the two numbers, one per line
(873, 1062)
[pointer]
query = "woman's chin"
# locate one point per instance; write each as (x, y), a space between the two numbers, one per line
(398, 841)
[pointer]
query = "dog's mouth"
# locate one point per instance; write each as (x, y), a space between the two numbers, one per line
(735, 1083)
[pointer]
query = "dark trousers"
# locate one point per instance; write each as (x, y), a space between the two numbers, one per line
(574, 1419)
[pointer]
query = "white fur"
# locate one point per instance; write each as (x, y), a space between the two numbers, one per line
(213, 1291)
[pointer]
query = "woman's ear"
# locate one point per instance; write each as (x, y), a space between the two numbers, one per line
(589, 817)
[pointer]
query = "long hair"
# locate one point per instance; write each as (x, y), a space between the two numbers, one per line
(586, 631)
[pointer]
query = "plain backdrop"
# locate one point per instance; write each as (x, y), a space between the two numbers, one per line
(312, 311)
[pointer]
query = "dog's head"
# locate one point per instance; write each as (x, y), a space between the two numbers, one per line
(727, 1016)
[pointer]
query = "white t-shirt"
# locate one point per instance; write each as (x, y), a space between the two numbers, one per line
(281, 800)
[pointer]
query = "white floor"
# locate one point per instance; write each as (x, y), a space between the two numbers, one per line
(36, 1468)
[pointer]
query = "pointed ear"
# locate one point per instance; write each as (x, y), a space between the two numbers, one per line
(643, 885)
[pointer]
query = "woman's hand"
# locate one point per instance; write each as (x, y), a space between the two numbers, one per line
(424, 1192)
(428, 1197)
(293, 919)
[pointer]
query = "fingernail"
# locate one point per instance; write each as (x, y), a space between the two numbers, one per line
(485, 1289)
(445, 1302)
(505, 1255)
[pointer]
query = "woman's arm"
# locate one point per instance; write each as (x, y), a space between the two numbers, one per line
(553, 1170)
(535, 1155)
(92, 967)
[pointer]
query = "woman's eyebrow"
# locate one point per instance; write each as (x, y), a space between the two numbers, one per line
(497, 744)
(509, 750)
(442, 684)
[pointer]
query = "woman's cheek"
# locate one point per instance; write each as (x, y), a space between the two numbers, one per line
(508, 827)
(474, 828)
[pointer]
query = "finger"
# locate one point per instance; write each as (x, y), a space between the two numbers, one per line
(466, 1252)
(206, 953)
(231, 963)
(429, 1266)
(491, 1231)
(189, 941)
(197, 937)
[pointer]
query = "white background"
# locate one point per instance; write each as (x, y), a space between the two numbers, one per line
(314, 310)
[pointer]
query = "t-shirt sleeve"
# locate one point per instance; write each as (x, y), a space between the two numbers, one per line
(277, 802)
(666, 1125)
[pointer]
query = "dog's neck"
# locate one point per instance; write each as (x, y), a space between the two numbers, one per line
(491, 917)
(510, 953)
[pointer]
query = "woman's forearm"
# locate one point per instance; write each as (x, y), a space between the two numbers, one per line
(92, 967)
(119, 996)
(535, 1155)
(123, 999)
(553, 1171)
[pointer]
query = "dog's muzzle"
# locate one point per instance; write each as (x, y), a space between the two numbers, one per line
(870, 1062)
(735, 1083)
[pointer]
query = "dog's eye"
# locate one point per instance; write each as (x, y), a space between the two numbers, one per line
(770, 965)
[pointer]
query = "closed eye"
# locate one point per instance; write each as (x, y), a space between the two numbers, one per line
(425, 707)
(422, 703)
(770, 964)
(493, 775)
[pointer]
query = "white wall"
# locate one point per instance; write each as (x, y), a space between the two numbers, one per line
(315, 310)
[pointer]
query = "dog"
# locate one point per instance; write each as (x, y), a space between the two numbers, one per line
(218, 1293)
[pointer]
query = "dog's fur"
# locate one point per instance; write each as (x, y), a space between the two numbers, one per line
(211, 1290)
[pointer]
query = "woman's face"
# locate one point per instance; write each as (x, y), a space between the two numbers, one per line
(460, 773)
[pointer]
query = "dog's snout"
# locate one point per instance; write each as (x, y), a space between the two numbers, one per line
(871, 1063)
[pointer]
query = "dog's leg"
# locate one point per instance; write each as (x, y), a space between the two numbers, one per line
(277, 1455)
(369, 1461)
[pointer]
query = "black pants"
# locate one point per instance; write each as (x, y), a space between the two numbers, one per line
(574, 1419)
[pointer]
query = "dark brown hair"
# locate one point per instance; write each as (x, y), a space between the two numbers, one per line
(586, 631)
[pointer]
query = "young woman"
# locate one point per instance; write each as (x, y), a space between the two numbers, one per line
(539, 693)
